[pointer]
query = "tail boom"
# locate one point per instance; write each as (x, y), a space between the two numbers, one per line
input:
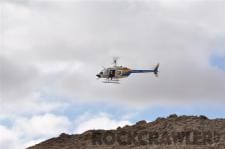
(155, 70)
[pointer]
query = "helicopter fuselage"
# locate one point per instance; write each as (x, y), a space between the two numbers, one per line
(116, 72)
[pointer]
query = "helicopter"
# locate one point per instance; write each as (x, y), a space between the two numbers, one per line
(115, 73)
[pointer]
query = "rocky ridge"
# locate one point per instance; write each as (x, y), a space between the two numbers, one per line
(173, 132)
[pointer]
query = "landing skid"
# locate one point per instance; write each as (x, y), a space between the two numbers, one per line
(115, 81)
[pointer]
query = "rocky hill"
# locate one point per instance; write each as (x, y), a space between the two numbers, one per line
(173, 132)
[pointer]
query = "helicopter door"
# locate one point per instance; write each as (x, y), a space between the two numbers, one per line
(112, 73)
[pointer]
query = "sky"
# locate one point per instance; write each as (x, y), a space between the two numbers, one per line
(51, 50)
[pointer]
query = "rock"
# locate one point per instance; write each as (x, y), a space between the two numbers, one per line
(203, 117)
(143, 122)
(160, 119)
(64, 135)
(173, 116)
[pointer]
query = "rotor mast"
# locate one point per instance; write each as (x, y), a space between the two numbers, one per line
(115, 61)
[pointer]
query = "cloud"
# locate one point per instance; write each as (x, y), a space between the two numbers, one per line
(17, 80)
(28, 131)
(100, 121)
(47, 125)
(8, 139)
(74, 39)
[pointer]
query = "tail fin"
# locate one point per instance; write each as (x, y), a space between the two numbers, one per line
(156, 70)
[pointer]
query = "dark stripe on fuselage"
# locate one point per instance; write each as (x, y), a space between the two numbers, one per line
(126, 74)
(141, 71)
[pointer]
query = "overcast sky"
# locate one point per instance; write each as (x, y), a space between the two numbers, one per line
(50, 52)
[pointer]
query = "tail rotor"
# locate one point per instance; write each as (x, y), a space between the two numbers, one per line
(156, 70)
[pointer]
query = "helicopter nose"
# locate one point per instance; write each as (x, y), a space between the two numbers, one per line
(98, 75)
